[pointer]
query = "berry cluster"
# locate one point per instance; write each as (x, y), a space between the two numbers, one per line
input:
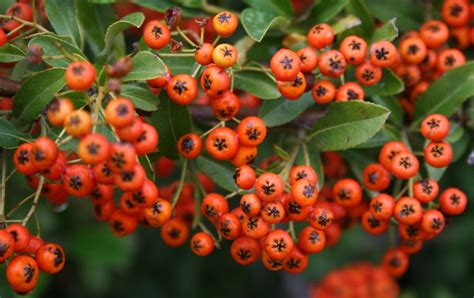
(26, 255)
(315, 67)
(214, 80)
(434, 49)
(356, 280)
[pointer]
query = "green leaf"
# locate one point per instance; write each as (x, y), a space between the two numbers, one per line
(49, 44)
(390, 84)
(345, 23)
(95, 19)
(256, 83)
(172, 121)
(393, 104)
(325, 10)
(9, 135)
(19, 70)
(221, 174)
(280, 111)
(273, 7)
(348, 124)
(280, 152)
(36, 92)
(445, 95)
(180, 65)
(407, 12)
(388, 31)
(63, 17)
(102, 1)
(163, 5)
(11, 53)
(146, 65)
(141, 97)
(386, 134)
(359, 9)
(257, 22)
(132, 20)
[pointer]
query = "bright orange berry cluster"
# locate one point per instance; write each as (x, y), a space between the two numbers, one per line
(27, 255)
(295, 72)
(356, 280)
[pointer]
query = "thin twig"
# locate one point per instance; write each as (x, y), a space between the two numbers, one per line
(180, 185)
(35, 201)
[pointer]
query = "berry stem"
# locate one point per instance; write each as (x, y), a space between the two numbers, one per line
(176, 55)
(26, 23)
(38, 228)
(21, 203)
(233, 194)
(151, 167)
(286, 170)
(16, 30)
(306, 154)
(35, 201)
(181, 183)
(401, 192)
(231, 79)
(410, 187)
(185, 37)
(201, 36)
(196, 70)
(291, 230)
(10, 175)
(211, 129)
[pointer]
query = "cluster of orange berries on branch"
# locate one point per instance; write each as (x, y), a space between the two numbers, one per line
(356, 280)
(20, 17)
(215, 81)
(317, 66)
(434, 49)
(26, 255)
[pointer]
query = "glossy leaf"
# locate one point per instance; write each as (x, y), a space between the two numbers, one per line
(445, 95)
(9, 135)
(324, 11)
(129, 21)
(256, 22)
(146, 65)
(274, 7)
(172, 121)
(388, 31)
(179, 64)
(359, 9)
(280, 111)
(256, 83)
(98, 17)
(142, 98)
(221, 174)
(386, 134)
(62, 15)
(407, 12)
(393, 104)
(347, 124)
(36, 92)
(49, 44)
(11, 53)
